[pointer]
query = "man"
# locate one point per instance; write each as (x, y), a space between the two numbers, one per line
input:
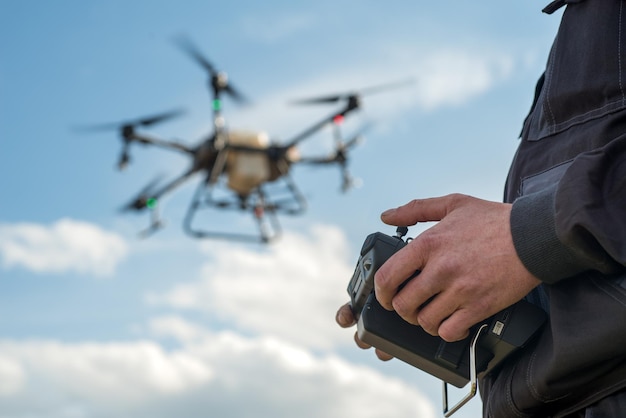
(559, 240)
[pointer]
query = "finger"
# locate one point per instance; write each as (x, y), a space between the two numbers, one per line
(396, 270)
(421, 210)
(382, 355)
(345, 317)
(457, 326)
(379, 353)
(432, 314)
(360, 342)
(416, 295)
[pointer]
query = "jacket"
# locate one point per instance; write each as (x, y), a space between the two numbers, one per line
(567, 183)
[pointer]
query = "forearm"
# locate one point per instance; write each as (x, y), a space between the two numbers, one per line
(579, 223)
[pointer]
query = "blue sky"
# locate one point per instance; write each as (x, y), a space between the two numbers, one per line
(95, 322)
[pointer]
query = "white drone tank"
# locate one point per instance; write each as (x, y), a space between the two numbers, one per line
(247, 169)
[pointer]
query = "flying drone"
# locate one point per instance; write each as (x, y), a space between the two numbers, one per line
(237, 166)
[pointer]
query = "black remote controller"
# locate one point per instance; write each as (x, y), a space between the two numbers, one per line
(500, 335)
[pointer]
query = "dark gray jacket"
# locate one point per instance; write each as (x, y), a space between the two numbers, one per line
(568, 187)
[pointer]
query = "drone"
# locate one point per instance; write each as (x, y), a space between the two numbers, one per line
(237, 167)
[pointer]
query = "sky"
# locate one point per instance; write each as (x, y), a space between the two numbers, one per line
(98, 322)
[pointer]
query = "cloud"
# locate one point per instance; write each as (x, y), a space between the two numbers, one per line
(12, 376)
(290, 290)
(452, 78)
(444, 77)
(67, 245)
(213, 374)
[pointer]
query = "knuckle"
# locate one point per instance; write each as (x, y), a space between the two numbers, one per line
(456, 198)
(382, 288)
(445, 267)
(427, 323)
(451, 334)
(441, 273)
(404, 308)
(428, 239)
(468, 288)
(414, 203)
(455, 328)
(382, 278)
(481, 305)
(462, 287)
(400, 305)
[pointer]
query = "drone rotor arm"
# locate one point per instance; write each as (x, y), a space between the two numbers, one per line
(317, 126)
(149, 195)
(173, 184)
(127, 132)
(140, 201)
(162, 143)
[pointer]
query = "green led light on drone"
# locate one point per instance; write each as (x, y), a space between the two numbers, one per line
(217, 104)
(151, 203)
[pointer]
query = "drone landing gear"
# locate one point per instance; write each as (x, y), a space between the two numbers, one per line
(263, 211)
(269, 228)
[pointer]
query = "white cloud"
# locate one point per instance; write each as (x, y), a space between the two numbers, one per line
(66, 245)
(444, 77)
(129, 371)
(213, 374)
(177, 328)
(12, 376)
(290, 290)
(451, 78)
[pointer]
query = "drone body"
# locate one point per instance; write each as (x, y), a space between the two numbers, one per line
(241, 162)
(248, 170)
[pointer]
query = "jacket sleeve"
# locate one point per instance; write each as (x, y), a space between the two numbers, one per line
(579, 223)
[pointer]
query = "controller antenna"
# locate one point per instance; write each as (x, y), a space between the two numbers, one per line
(401, 231)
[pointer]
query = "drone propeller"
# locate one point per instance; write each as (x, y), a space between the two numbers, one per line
(342, 147)
(352, 95)
(128, 125)
(143, 199)
(340, 155)
(127, 131)
(146, 198)
(353, 102)
(218, 80)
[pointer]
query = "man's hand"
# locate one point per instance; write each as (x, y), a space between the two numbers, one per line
(468, 265)
(345, 319)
